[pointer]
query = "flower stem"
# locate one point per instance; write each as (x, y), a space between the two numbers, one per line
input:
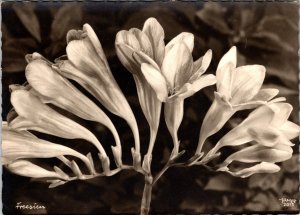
(146, 200)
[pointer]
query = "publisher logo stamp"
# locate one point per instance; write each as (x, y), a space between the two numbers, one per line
(286, 202)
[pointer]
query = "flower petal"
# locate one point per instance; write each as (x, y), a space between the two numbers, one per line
(156, 35)
(247, 83)
(266, 136)
(201, 65)
(177, 65)
(290, 130)
(144, 41)
(190, 89)
(283, 111)
(225, 72)
(185, 37)
(265, 94)
(156, 81)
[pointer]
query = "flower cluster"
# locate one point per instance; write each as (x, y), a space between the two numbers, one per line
(165, 74)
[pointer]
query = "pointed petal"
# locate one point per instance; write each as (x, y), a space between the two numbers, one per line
(156, 80)
(225, 76)
(143, 40)
(247, 83)
(224, 73)
(282, 113)
(290, 130)
(156, 35)
(229, 58)
(201, 65)
(177, 65)
(28, 169)
(185, 37)
(190, 89)
(125, 55)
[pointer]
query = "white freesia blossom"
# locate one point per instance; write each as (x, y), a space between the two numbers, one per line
(55, 89)
(44, 119)
(86, 64)
(169, 70)
(28, 169)
(268, 125)
(238, 88)
(269, 128)
(22, 144)
(150, 42)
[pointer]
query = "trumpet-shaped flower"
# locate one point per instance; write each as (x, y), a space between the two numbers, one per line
(269, 128)
(55, 89)
(22, 144)
(178, 78)
(28, 169)
(238, 88)
(87, 65)
(33, 114)
(150, 43)
(169, 70)
(268, 125)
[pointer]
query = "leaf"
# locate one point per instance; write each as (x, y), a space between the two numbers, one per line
(221, 183)
(258, 203)
(291, 165)
(213, 15)
(69, 16)
(285, 75)
(269, 41)
(265, 181)
(26, 14)
(14, 51)
(290, 186)
(192, 205)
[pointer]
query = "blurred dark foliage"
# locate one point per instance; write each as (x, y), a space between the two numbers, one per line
(265, 33)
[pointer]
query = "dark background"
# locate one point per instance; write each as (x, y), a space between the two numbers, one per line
(265, 33)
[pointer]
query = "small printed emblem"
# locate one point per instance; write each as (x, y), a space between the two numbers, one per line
(286, 202)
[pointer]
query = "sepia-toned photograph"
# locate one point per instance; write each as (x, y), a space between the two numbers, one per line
(161, 107)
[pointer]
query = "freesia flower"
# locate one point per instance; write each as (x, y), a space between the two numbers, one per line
(150, 43)
(28, 169)
(33, 114)
(55, 89)
(268, 125)
(238, 88)
(22, 144)
(86, 64)
(169, 70)
(269, 128)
